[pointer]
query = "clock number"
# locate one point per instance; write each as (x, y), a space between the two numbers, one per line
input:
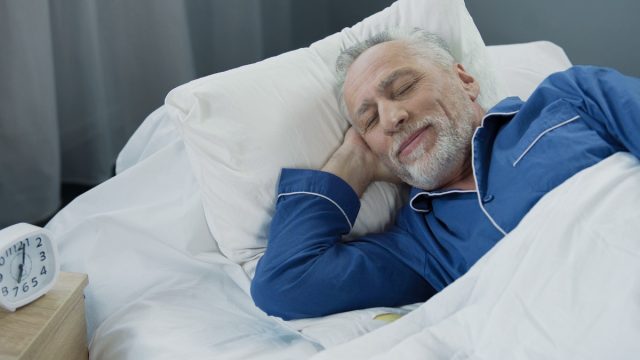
(39, 240)
(34, 282)
(1, 277)
(16, 290)
(5, 291)
(43, 257)
(43, 271)
(25, 287)
(1, 260)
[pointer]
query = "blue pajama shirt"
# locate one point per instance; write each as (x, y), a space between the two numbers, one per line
(523, 150)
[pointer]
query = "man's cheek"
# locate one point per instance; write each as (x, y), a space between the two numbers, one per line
(376, 144)
(389, 163)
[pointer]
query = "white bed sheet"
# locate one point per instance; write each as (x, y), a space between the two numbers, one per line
(158, 287)
(565, 284)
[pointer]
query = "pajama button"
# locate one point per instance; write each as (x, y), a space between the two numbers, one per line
(487, 198)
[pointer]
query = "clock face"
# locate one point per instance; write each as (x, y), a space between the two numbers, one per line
(26, 267)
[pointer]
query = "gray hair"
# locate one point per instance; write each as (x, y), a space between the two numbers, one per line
(420, 42)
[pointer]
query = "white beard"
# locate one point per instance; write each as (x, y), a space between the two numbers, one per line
(429, 169)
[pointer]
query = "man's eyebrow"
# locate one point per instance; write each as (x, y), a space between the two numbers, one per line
(386, 82)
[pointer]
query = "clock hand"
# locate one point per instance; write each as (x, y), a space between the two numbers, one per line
(21, 266)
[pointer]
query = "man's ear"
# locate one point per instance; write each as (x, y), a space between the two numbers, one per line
(469, 83)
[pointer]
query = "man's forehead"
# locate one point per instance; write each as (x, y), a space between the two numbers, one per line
(381, 54)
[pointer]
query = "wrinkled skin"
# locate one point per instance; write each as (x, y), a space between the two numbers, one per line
(416, 117)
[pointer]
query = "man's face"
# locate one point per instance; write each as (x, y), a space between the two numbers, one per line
(416, 116)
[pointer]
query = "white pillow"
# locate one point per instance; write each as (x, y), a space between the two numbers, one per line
(522, 67)
(242, 126)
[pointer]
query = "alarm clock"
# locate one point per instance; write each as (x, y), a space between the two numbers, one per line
(28, 264)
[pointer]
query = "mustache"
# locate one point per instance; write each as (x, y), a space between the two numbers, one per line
(408, 130)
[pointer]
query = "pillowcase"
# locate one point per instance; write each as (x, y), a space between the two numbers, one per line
(522, 67)
(242, 126)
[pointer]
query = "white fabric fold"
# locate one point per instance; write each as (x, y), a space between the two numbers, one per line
(564, 284)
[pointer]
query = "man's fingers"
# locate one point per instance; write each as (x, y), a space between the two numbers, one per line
(381, 172)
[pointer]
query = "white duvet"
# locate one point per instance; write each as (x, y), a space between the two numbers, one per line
(158, 286)
(564, 284)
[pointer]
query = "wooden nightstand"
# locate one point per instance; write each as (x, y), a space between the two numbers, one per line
(52, 327)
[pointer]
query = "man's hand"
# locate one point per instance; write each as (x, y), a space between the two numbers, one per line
(356, 164)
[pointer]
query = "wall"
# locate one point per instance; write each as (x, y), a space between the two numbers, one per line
(591, 32)
(304, 22)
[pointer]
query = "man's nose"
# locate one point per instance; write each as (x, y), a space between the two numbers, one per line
(393, 117)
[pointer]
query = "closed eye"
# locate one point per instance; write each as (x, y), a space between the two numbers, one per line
(404, 89)
(371, 122)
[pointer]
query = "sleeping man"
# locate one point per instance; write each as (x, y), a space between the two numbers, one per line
(474, 174)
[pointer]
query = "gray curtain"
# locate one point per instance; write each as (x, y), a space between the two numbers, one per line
(29, 137)
(77, 77)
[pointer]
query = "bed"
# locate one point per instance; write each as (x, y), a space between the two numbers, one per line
(169, 271)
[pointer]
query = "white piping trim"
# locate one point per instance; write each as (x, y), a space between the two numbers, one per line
(474, 175)
(324, 197)
(498, 113)
(475, 178)
(541, 135)
(434, 195)
(413, 198)
(411, 203)
(418, 210)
